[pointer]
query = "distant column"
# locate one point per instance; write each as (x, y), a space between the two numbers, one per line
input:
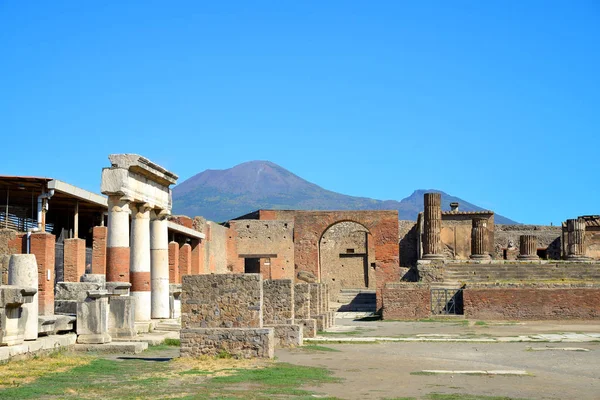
(159, 260)
(576, 239)
(432, 240)
(479, 239)
(528, 248)
(117, 243)
(140, 260)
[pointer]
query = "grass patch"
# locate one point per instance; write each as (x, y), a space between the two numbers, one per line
(460, 322)
(316, 347)
(481, 323)
(355, 332)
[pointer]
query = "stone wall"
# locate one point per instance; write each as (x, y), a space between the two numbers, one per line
(278, 300)
(271, 241)
(408, 246)
(214, 247)
(456, 233)
(222, 301)
(406, 301)
(302, 300)
(592, 242)
(241, 343)
(549, 237)
(522, 303)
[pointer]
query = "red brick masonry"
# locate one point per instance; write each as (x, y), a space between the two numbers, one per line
(99, 250)
(406, 301)
(532, 303)
(74, 259)
(117, 264)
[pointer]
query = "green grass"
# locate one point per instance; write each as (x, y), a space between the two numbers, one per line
(462, 322)
(481, 323)
(316, 347)
(168, 344)
(346, 333)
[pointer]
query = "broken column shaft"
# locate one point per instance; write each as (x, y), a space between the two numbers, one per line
(528, 247)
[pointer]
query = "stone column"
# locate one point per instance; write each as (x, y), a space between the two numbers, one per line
(576, 239)
(139, 266)
(432, 240)
(159, 269)
(117, 243)
(528, 247)
(479, 239)
(23, 272)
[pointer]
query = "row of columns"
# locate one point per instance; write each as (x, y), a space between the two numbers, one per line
(141, 258)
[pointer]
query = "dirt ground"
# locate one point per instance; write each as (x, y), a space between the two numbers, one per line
(387, 370)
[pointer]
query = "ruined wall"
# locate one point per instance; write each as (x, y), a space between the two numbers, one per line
(222, 301)
(509, 303)
(302, 300)
(213, 249)
(346, 257)
(456, 233)
(272, 241)
(409, 244)
(549, 237)
(309, 226)
(406, 301)
(592, 242)
(278, 299)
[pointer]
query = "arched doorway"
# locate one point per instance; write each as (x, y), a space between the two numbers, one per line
(346, 257)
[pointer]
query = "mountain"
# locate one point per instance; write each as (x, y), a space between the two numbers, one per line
(220, 195)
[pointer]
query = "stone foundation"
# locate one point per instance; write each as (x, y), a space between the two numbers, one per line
(238, 342)
(287, 335)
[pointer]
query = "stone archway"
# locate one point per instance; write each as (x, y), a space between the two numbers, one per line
(347, 257)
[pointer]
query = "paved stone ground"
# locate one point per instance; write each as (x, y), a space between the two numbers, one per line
(387, 370)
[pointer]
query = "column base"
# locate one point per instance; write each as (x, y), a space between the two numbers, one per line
(97, 338)
(480, 257)
(527, 258)
(578, 258)
(433, 257)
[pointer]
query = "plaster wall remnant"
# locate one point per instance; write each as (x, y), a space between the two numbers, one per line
(136, 185)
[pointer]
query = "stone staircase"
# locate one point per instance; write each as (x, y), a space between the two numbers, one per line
(357, 300)
(456, 275)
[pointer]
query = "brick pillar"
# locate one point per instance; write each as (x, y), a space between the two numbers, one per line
(528, 247)
(74, 260)
(479, 239)
(432, 239)
(185, 260)
(99, 250)
(174, 263)
(42, 245)
(197, 257)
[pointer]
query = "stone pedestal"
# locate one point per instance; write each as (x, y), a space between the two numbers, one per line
(12, 317)
(479, 239)
(576, 240)
(140, 261)
(159, 269)
(117, 243)
(432, 227)
(92, 318)
(69, 294)
(528, 248)
(121, 317)
(23, 272)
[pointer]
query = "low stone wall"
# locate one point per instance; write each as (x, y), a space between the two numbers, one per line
(525, 303)
(302, 300)
(222, 301)
(287, 335)
(278, 301)
(309, 327)
(406, 301)
(239, 342)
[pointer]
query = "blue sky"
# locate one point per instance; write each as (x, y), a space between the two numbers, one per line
(497, 102)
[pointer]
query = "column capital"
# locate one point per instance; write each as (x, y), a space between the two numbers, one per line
(160, 214)
(140, 210)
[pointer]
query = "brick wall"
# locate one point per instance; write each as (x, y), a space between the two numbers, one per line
(174, 276)
(532, 303)
(99, 234)
(278, 301)
(222, 301)
(42, 245)
(185, 260)
(406, 301)
(74, 259)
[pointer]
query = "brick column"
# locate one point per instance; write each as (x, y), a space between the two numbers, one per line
(197, 257)
(576, 240)
(528, 247)
(117, 244)
(432, 235)
(479, 239)
(159, 264)
(99, 234)
(185, 260)
(139, 265)
(74, 260)
(42, 246)
(174, 263)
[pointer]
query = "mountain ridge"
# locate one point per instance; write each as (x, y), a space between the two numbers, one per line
(220, 195)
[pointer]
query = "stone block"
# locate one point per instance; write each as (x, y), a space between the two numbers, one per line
(23, 271)
(12, 318)
(238, 342)
(222, 301)
(118, 288)
(46, 325)
(65, 323)
(309, 327)
(287, 335)
(94, 278)
(75, 291)
(92, 318)
(278, 301)
(302, 300)
(121, 317)
(65, 307)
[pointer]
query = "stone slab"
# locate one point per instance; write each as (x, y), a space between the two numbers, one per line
(114, 347)
(152, 338)
(309, 327)
(42, 344)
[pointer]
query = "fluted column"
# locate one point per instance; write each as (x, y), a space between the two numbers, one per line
(576, 239)
(159, 268)
(479, 239)
(117, 242)
(140, 260)
(528, 247)
(432, 235)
